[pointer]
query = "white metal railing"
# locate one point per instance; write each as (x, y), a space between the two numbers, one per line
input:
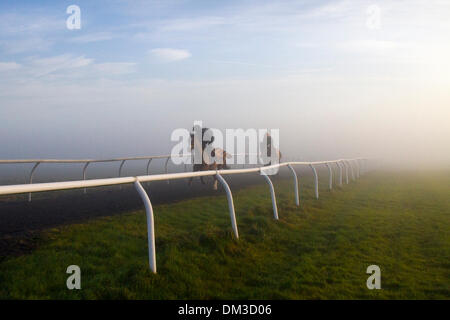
(358, 165)
(87, 162)
(37, 162)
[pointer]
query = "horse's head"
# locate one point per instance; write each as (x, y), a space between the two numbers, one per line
(221, 154)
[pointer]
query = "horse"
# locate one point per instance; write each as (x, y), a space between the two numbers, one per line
(217, 153)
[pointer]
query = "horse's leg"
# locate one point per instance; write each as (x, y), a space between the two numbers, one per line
(203, 181)
(195, 168)
(216, 167)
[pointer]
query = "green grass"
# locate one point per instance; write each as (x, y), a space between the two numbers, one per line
(319, 250)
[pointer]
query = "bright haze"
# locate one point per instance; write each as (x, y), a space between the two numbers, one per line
(338, 78)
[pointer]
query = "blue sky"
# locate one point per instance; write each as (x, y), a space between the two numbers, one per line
(215, 39)
(136, 70)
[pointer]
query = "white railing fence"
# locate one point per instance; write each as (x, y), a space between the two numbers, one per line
(87, 162)
(357, 167)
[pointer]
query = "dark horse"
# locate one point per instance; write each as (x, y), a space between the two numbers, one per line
(204, 166)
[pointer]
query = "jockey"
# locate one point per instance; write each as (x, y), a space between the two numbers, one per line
(197, 141)
(267, 145)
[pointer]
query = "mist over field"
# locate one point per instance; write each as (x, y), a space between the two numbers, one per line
(340, 79)
(357, 91)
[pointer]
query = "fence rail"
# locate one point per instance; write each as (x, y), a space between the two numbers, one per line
(87, 162)
(357, 166)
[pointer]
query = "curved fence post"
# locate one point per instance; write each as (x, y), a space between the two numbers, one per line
(340, 172)
(272, 194)
(150, 225)
(358, 164)
(31, 178)
(166, 169)
(230, 204)
(297, 200)
(330, 175)
(148, 166)
(359, 167)
(351, 170)
(120, 170)
(84, 173)
(316, 181)
(346, 170)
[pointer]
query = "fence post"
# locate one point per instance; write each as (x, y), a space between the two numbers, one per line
(297, 200)
(351, 169)
(272, 194)
(148, 169)
(166, 169)
(148, 165)
(340, 172)
(346, 170)
(84, 173)
(31, 178)
(230, 204)
(330, 175)
(356, 168)
(316, 181)
(120, 171)
(120, 168)
(150, 225)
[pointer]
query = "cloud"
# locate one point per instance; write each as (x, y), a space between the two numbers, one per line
(192, 24)
(169, 54)
(92, 37)
(13, 24)
(7, 66)
(13, 46)
(333, 9)
(28, 32)
(115, 68)
(65, 68)
(62, 62)
(44, 66)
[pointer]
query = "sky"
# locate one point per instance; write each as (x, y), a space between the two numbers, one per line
(339, 79)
